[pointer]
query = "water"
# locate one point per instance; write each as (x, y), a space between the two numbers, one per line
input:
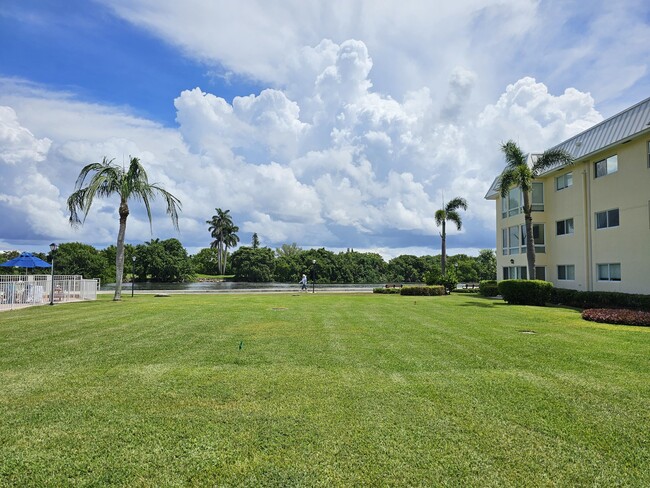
(234, 286)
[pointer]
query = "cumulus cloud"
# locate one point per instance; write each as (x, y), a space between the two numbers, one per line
(330, 160)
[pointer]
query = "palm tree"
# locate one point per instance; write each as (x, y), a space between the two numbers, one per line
(223, 231)
(449, 212)
(519, 173)
(108, 179)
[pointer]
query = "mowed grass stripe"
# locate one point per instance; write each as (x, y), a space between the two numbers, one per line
(325, 390)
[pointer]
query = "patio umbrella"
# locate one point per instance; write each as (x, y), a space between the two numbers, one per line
(27, 260)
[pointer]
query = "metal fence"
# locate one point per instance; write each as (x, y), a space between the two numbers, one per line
(17, 291)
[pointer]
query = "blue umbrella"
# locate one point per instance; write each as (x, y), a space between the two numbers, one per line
(27, 260)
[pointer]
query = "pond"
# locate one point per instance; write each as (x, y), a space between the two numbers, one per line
(234, 286)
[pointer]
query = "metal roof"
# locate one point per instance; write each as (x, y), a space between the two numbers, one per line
(619, 128)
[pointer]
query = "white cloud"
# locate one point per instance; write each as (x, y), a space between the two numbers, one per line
(330, 160)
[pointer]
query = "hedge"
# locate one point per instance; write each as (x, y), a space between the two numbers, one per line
(488, 288)
(387, 291)
(599, 299)
(427, 291)
(465, 290)
(617, 316)
(526, 292)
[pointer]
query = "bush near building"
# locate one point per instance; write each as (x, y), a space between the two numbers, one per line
(599, 299)
(526, 292)
(488, 288)
(427, 291)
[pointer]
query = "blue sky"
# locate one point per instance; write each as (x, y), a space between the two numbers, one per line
(329, 124)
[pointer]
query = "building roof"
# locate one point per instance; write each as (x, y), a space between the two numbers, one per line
(619, 128)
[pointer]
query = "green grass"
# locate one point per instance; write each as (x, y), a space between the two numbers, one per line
(328, 390)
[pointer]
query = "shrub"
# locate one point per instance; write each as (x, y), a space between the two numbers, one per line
(465, 290)
(600, 299)
(488, 288)
(427, 291)
(617, 316)
(387, 291)
(525, 292)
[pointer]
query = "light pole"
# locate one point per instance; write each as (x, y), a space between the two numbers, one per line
(53, 248)
(313, 276)
(133, 276)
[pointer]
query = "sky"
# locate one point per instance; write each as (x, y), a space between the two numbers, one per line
(338, 124)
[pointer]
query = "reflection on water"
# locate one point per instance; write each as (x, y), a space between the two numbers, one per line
(232, 286)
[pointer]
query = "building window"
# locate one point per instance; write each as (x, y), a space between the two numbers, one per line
(606, 166)
(540, 273)
(512, 203)
(609, 272)
(566, 272)
(537, 197)
(515, 272)
(608, 218)
(564, 227)
(538, 238)
(510, 238)
(564, 181)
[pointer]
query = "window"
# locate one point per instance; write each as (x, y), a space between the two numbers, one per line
(511, 204)
(540, 273)
(537, 200)
(564, 227)
(609, 272)
(566, 272)
(510, 238)
(606, 166)
(608, 218)
(513, 240)
(564, 181)
(538, 238)
(514, 272)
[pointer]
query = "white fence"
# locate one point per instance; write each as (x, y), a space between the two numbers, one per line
(17, 291)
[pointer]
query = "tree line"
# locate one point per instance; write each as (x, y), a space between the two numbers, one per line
(168, 261)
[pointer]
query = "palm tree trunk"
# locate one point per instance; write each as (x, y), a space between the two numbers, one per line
(443, 257)
(225, 258)
(119, 254)
(530, 240)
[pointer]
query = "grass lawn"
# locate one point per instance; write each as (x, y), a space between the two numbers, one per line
(326, 390)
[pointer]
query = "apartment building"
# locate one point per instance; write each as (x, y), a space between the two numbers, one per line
(591, 219)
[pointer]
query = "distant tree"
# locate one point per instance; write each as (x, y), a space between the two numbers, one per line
(519, 174)
(487, 264)
(256, 241)
(75, 258)
(224, 232)
(449, 213)
(206, 261)
(288, 250)
(406, 268)
(163, 261)
(132, 183)
(253, 265)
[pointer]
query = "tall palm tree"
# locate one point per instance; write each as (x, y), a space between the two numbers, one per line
(449, 212)
(107, 179)
(519, 174)
(224, 232)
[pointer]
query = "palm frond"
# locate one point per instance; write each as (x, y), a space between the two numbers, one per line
(506, 181)
(454, 217)
(550, 158)
(440, 217)
(513, 153)
(455, 204)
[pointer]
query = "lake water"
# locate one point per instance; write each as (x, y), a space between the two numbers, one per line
(234, 286)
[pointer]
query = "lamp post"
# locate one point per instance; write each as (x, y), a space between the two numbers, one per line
(313, 276)
(53, 248)
(133, 276)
